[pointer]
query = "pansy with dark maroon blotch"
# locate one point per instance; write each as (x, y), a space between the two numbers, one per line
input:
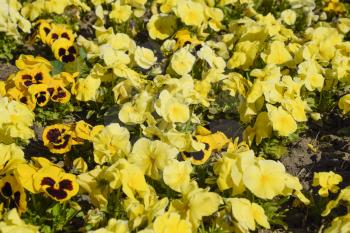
(56, 183)
(39, 94)
(13, 193)
(64, 50)
(57, 138)
(28, 77)
(60, 94)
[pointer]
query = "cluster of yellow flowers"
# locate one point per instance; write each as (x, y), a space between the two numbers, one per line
(163, 86)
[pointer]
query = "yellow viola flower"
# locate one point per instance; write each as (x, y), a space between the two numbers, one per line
(111, 144)
(95, 183)
(15, 120)
(58, 32)
(182, 61)
(288, 16)
(86, 88)
(171, 108)
(265, 179)
(281, 120)
(152, 156)
(297, 108)
(277, 53)
(44, 29)
(171, 222)
(208, 54)
(37, 75)
(212, 141)
(114, 226)
(344, 103)
(59, 93)
(12, 155)
(120, 13)
(12, 223)
(128, 176)
(183, 37)
(144, 57)
(13, 193)
(135, 112)
(191, 13)
(231, 167)
(39, 94)
(30, 62)
(262, 127)
(83, 130)
(248, 214)
(195, 204)
(161, 26)
(64, 50)
(57, 138)
(328, 181)
(177, 174)
(55, 183)
(339, 225)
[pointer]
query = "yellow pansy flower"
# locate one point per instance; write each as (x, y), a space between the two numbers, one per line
(114, 226)
(86, 88)
(177, 174)
(152, 156)
(64, 50)
(265, 179)
(55, 183)
(13, 193)
(30, 62)
(12, 223)
(191, 13)
(161, 26)
(344, 103)
(182, 61)
(328, 181)
(248, 214)
(120, 13)
(339, 225)
(57, 138)
(172, 223)
(12, 155)
(281, 120)
(111, 143)
(277, 53)
(171, 109)
(144, 57)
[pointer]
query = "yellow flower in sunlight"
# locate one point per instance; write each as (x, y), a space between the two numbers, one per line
(177, 174)
(288, 16)
(161, 26)
(57, 138)
(144, 57)
(86, 88)
(114, 226)
(12, 223)
(30, 62)
(196, 203)
(80, 165)
(15, 120)
(13, 193)
(265, 179)
(191, 13)
(344, 103)
(277, 54)
(152, 156)
(11, 156)
(55, 183)
(247, 213)
(120, 13)
(328, 181)
(314, 81)
(171, 109)
(263, 127)
(281, 120)
(182, 61)
(111, 143)
(64, 50)
(339, 225)
(171, 222)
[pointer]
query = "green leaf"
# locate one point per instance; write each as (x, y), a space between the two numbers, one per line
(57, 67)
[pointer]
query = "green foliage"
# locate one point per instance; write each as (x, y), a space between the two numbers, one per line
(7, 46)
